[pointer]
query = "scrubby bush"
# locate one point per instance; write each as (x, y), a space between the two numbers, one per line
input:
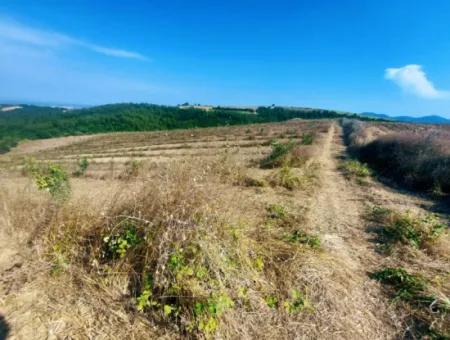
(354, 133)
(416, 160)
(419, 160)
(49, 177)
(278, 155)
(286, 178)
(186, 264)
(407, 286)
(284, 154)
(179, 258)
(82, 167)
(405, 228)
(307, 138)
(297, 302)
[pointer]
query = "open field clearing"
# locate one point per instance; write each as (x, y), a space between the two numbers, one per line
(112, 151)
(268, 231)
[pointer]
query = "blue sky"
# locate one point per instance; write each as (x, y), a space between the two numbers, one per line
(355, 55)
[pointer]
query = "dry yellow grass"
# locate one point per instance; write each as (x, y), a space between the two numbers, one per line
(204, 245)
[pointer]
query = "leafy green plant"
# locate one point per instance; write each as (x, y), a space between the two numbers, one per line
(208, 313)
(272, 301)
(299, 236)
(407, 286)
(145, 299)
(259, 263)
(60, 262)
(117, 245)
(52, 178)
(297, 302)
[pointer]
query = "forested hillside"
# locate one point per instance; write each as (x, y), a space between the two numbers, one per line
(34, 122)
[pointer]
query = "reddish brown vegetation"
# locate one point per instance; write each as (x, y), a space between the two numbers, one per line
(418, 159)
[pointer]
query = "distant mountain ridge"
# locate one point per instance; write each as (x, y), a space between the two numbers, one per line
(433, 119)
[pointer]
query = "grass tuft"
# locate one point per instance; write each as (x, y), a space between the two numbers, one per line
(285, 178)
(284, 154)
(354, 169)
(417, 231)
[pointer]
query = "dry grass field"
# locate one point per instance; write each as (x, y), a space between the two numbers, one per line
(265, 231)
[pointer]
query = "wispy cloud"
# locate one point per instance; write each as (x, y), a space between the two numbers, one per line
(18, 33)
(412, 79)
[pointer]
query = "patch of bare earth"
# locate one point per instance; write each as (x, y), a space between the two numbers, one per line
(47, 144)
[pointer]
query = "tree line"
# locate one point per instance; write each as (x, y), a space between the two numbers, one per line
(35, 122)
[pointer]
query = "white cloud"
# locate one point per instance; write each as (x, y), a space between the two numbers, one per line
(412, 79)
(18, 33)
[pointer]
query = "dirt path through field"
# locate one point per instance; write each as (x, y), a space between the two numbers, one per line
(360, 311)
(338, 209)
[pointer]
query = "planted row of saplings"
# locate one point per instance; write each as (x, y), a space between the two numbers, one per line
(55, 179)
(425, 295)
(187, 264)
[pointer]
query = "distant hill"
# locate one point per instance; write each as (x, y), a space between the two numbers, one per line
(37, 122)
(407, 119)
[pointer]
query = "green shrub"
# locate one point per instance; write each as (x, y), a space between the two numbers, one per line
(82, 167)
(272, 301)
(51, 178)
(407, 286)
(208, 312)
(307, 138)
(117, 244)
(278, 155)
(379, 214)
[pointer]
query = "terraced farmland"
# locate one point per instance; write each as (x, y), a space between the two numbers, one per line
(113, 150)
